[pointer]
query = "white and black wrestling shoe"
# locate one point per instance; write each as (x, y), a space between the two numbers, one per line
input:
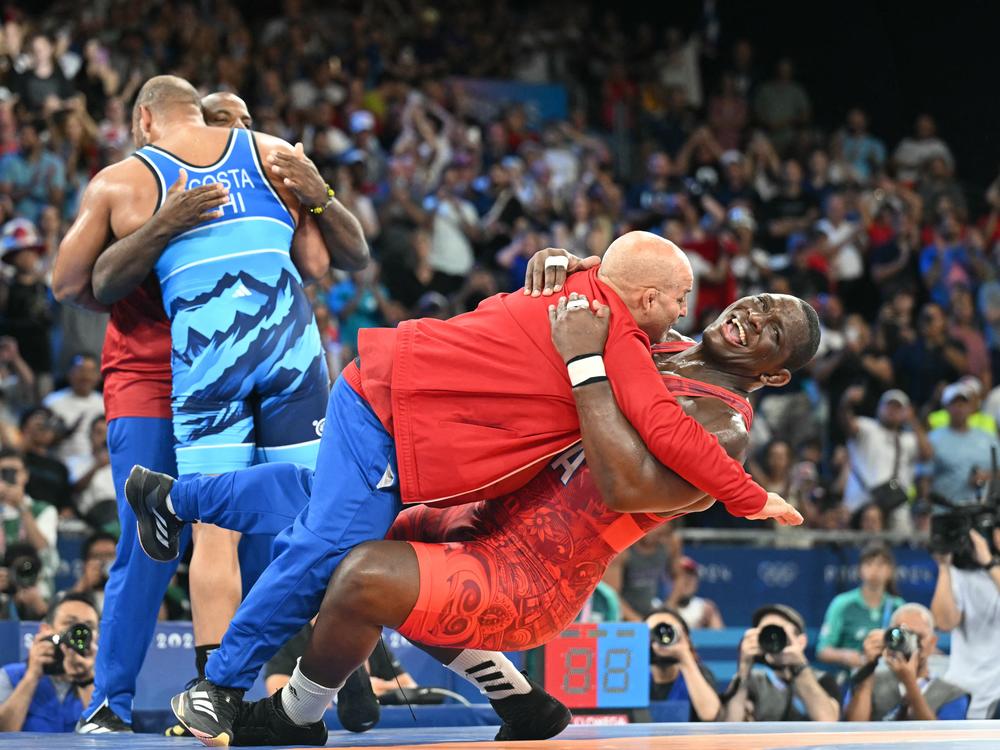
(104, 721)
(147, 493)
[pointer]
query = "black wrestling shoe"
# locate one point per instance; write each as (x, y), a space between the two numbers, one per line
(265, 722)
(208, 711)
(159, 529)
(531, 716)
(105, 721)
(357, 707)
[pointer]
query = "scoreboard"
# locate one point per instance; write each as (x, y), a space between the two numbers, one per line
(599, 665)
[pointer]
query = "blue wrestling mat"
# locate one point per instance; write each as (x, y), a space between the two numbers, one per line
(966, 735)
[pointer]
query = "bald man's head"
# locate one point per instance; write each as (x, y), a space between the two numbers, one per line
(652, 276)
(226, 110)
(161, 100)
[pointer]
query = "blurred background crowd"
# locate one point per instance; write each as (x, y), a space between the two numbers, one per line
(461, 157)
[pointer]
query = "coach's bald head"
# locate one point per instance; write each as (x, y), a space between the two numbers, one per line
(224, 109)
(653, 278)
(163, 101)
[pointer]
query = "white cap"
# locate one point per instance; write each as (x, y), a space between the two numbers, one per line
(894, 394)
(956, 390)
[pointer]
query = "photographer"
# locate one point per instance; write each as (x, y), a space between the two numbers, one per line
(853, 614)
(98, 556)
(967, 601)
(903, 689)
(676, 673)
(48, 692)
(785, 688)
(22, 517)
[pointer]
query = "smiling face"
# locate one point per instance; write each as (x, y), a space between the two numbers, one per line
(758, 335)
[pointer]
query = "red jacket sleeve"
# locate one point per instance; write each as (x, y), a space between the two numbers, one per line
(676, 439)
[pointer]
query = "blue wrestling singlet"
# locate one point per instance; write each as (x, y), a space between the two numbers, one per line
(249, 377)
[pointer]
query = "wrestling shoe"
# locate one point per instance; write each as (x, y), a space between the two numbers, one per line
(105, 721)
(357, 706)
(265, 722)
(531, 716)
(208, 711)
(159, 529)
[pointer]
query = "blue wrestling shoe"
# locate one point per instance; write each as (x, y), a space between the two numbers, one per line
(532, 716)
(159, 529)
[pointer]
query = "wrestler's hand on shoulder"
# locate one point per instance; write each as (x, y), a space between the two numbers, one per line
(299, 174)
(578, 326)
(781, 511)
(543, 277)
(184, 208)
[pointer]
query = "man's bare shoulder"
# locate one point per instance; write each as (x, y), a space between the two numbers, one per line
(267, 143)
(125, 174)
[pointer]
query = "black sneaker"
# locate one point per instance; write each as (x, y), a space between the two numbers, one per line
(357, 706)
(265, 722)
(208, 711)
(159, 529)
(105, 721)
(531, 716)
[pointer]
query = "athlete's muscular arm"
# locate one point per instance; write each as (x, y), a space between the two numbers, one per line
(126, 264)
(71, 275)
(629, 477)
(342, 235)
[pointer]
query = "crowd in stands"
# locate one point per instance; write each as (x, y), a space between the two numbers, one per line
(694, 134)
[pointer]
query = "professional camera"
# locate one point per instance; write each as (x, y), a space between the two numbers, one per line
(950, 531)
(902, 641)
(772, 639)
(664, 634)
(25, 570)
(77, 637)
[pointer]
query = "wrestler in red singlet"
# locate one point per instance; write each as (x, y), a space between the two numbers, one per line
(513, 573)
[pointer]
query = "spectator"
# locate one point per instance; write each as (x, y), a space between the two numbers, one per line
(784, 687)
(24, 305)
(455, 228)
(863, 153)
(676, 672)
(931, 360)
(361, 302)
(34, 177)
(48, 478)
(782, 105)
(42, 84)
(913, 152)
(852, 615)
(904, 690)
(638, 575)
(93, 483)
(790, 212)
(697, 612)
(25, 518)
(774, 473)
(966, 603)
(961, 454)
(17, 387)
(98, 555)
(34, 696)
(979, 418)
(965, 328)
(938, 182)
(946, 262)
(77, 406)
(883, 454)
(844, 249)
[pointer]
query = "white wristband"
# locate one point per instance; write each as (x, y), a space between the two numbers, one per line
(586, 369)
(557, 260)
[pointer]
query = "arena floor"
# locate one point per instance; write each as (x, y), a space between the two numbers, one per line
(966, 735)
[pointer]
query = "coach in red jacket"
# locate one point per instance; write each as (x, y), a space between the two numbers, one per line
(471, 408)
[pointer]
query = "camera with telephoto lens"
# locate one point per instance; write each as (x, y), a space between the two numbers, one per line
(77, 637)
(902, 641)
(8, 475)
(664, 634)
(950, 531)
(25, 571)
(772, 639)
